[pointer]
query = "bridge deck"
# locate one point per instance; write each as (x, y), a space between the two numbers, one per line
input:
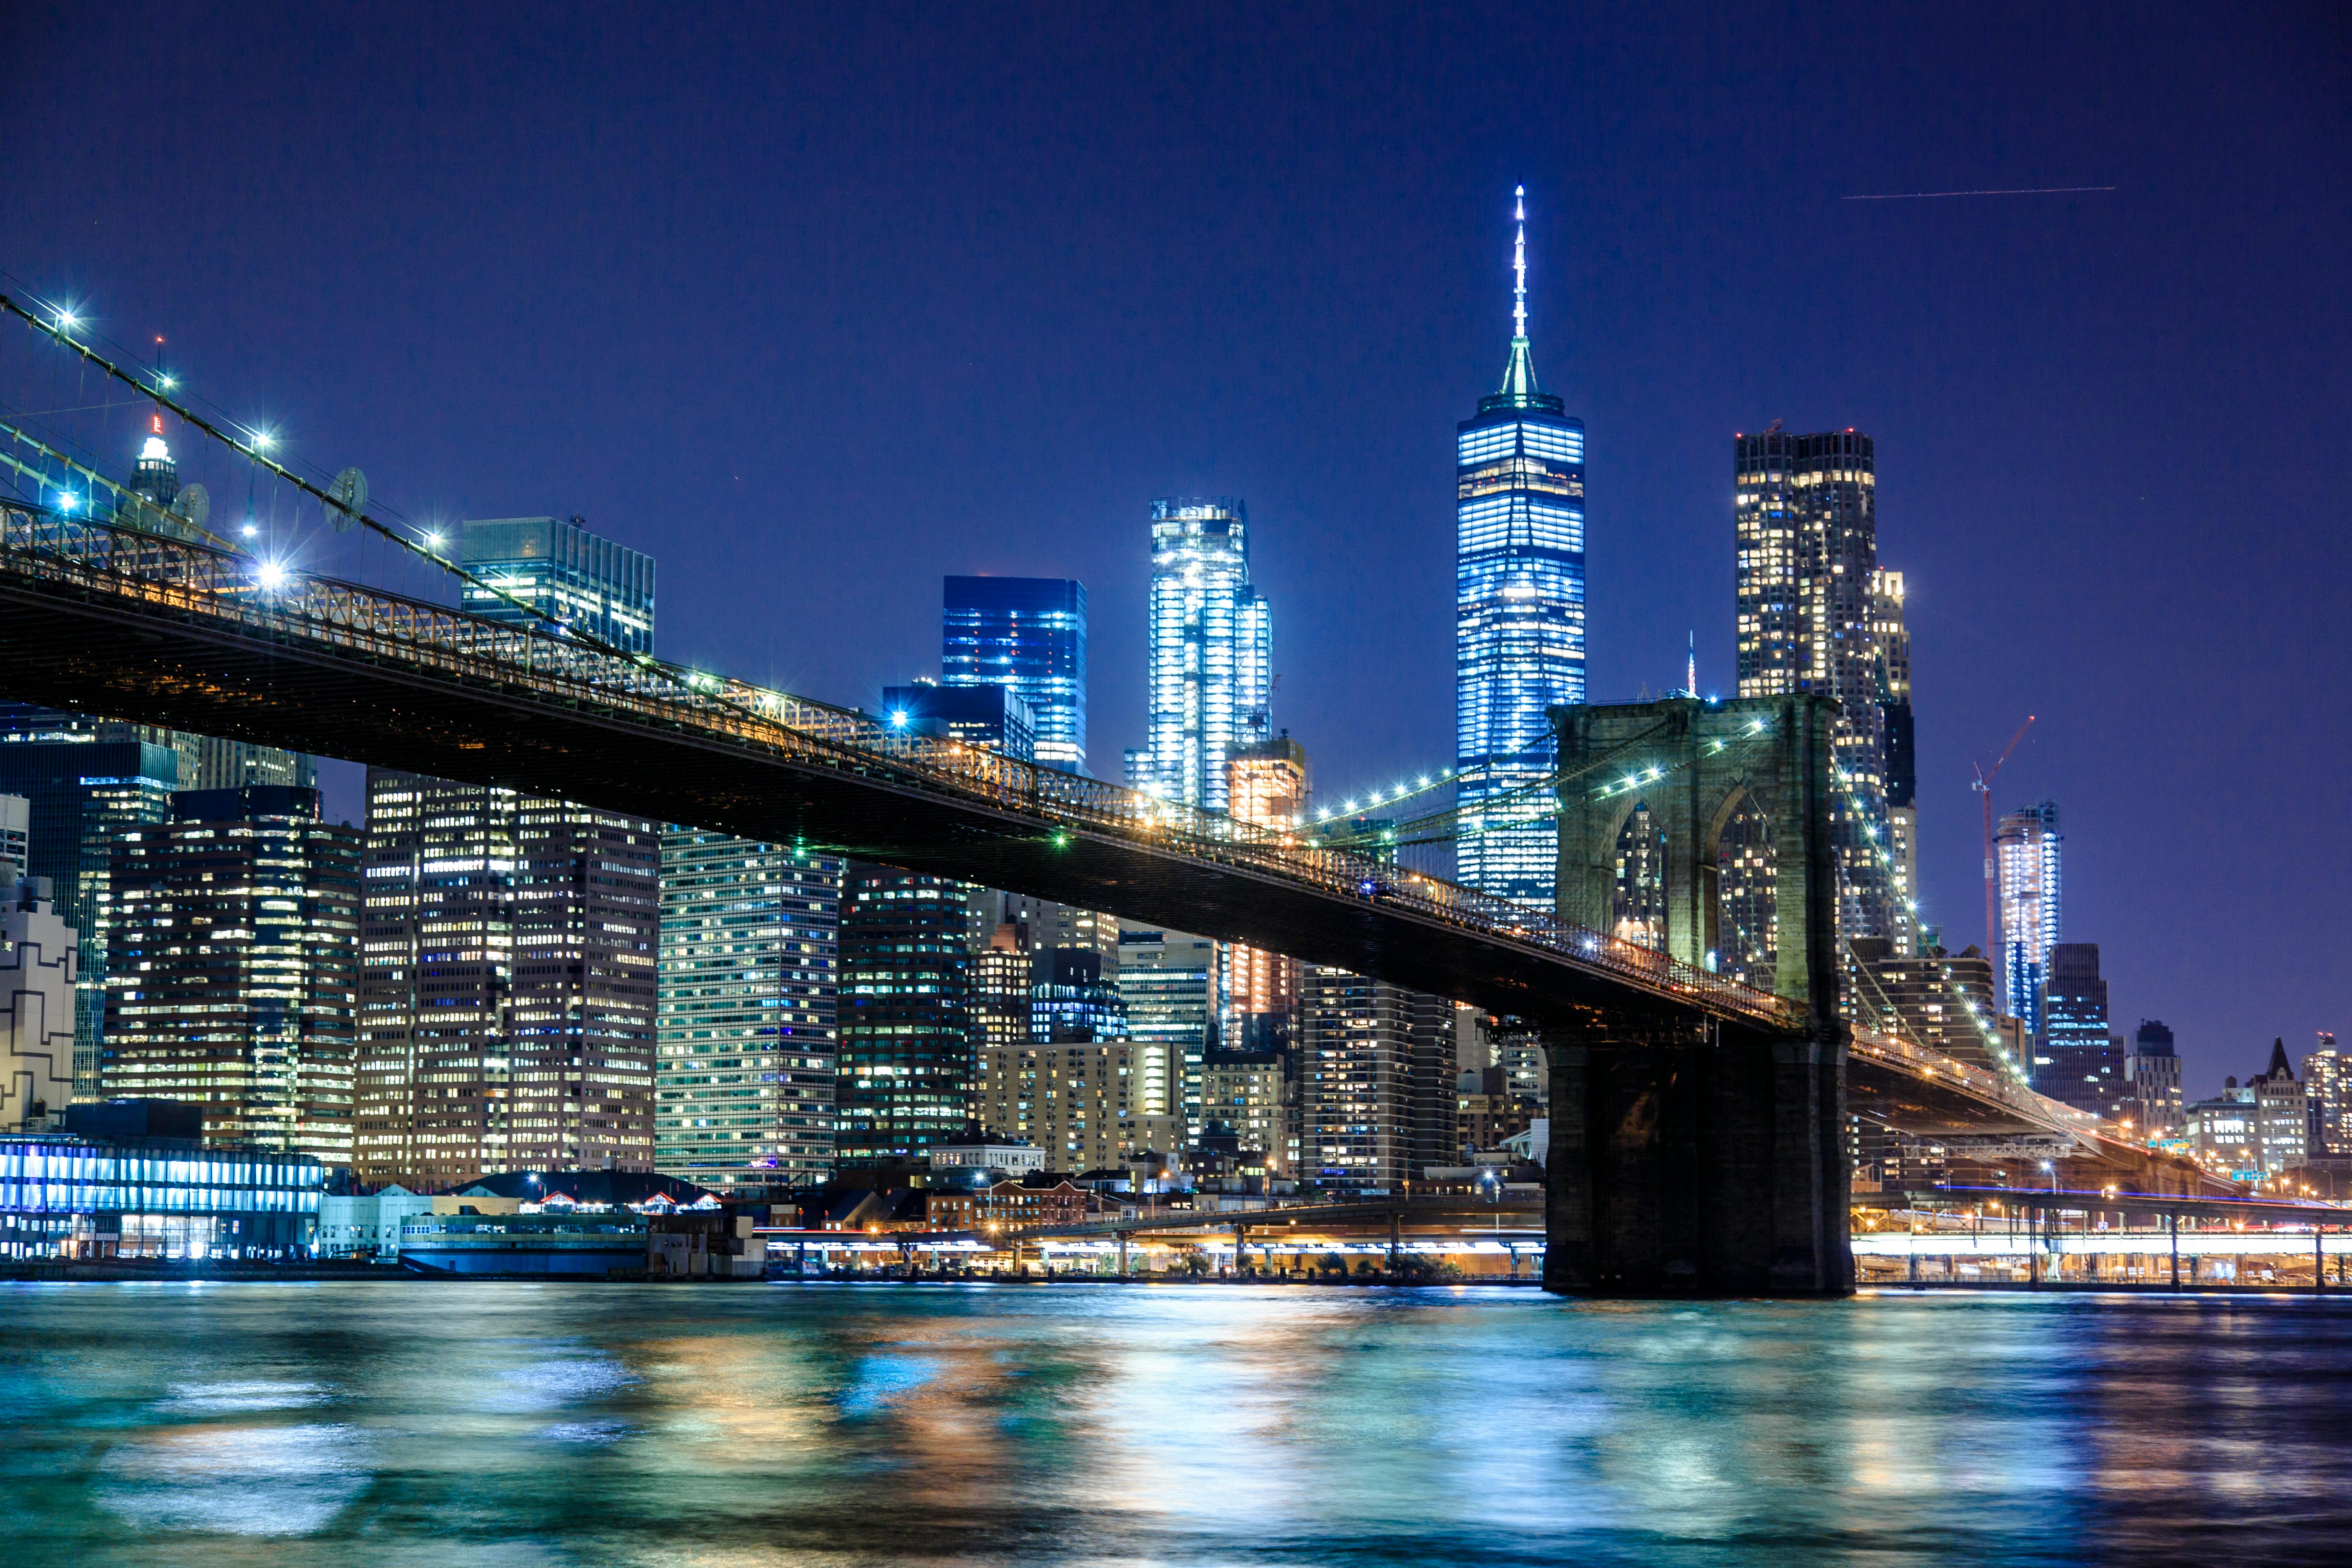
(169, 631)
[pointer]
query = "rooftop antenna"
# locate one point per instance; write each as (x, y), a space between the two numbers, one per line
(1691, 668)
(1520, 266)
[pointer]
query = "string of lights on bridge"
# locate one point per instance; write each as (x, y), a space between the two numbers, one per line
(1908, 911)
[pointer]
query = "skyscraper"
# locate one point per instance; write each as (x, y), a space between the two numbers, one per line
(1028, 634)
(1079, 1101)
(234, 930)
(2077, 1060)
(1266, 786)
(906, 1074)
(506, 984)
(16, 831)
(749, 945)
(564, 573)
(1518, 614)
(1211, 680)
(206, 762)
(1811, 606)
(1167, 987)
(36, 1001)
(2327, 1085)
(1377, 1075)
(2154, 1072)
(1942, 1000)
(83, 792)
(1892, 631)
(2281, 1114)
(2025, 852)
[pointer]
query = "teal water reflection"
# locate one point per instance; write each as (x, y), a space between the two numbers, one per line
(415, 1421)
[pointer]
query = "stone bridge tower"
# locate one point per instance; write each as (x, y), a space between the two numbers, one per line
(1691, 1154)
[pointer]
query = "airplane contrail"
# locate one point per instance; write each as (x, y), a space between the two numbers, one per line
(1923, 195)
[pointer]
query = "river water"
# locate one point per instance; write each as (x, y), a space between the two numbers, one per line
(426, 1422)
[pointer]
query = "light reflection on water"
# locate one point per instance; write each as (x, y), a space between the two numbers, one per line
(401, 1421)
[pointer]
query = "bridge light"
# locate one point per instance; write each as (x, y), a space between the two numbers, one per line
(167, 381)
(262, 439)
(433, 540)
(68, 319)
(249, 531)
(68, 502)
(271, 575)
(1424, 782)
(899, 718)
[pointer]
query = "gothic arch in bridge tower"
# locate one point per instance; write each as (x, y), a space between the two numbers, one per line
(1750, 776)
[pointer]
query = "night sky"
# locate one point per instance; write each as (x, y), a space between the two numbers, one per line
(818, 306)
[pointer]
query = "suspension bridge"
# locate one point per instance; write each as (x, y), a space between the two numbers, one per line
(110, 604)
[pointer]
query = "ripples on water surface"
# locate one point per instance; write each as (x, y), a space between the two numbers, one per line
(430, 1422)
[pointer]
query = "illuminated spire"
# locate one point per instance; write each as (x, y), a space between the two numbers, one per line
(1520, 267)
(1693, 671)
(1519, 389)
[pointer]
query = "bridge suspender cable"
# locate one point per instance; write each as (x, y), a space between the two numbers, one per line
(704, 685)
(255, 455)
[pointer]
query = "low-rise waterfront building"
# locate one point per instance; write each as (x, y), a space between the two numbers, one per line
(132, 1179)
(368, 1225)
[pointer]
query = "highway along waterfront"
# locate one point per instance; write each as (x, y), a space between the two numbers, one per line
(402, 1421)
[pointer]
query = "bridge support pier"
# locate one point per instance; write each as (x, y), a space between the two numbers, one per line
(1690, 1161)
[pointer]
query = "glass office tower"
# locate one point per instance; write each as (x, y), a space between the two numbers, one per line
(2078, 1059)
(1817, 614)
(560, 568)
(1518, 616)
(906, 1074)
(82, 795)
(1212, 683)
(506, 985)
(750, 941)
(1029, 634)
(233, 931)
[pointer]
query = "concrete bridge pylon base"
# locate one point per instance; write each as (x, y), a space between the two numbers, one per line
(1709, 1166)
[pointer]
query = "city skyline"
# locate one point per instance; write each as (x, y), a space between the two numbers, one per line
(1361, 424)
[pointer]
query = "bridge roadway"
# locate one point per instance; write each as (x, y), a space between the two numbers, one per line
(169, 631)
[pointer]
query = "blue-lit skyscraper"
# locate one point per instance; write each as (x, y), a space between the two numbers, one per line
(1518, 615)
(1030, 633)
(1211, 652)
(561, 570)
(2026, 849)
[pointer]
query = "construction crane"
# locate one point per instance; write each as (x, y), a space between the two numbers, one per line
(1983, 786)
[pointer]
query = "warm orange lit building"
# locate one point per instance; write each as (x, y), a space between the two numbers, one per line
(1267, 785)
